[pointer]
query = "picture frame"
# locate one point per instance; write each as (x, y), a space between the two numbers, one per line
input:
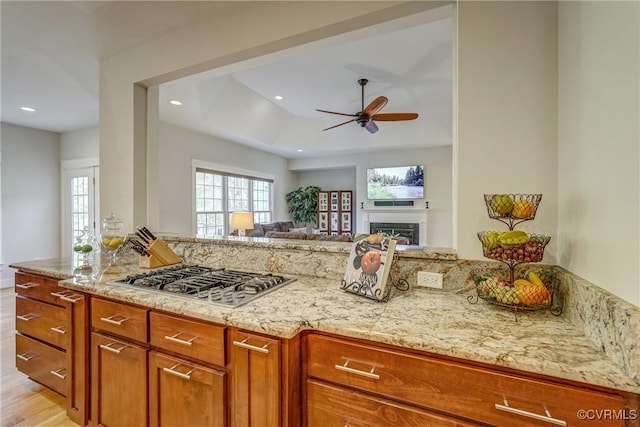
(323, 221)
(368, 267)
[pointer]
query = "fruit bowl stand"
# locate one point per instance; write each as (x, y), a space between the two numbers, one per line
(513, 248)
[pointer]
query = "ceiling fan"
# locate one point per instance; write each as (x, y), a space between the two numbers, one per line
(365, 117)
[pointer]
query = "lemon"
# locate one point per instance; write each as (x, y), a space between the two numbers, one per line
(106, 241)
(115, 243)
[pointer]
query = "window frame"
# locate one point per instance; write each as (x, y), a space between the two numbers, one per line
(229, 171)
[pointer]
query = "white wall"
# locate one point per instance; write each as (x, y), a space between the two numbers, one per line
(30, 195)
(177, 146)
(507, 115)
(599, 144)
(438, 183)
(80, 144)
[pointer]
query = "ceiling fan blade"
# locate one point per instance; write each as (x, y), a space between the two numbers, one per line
(371, 126)
(393, 117)
(348, 121)
(375, 106)
(333, 112)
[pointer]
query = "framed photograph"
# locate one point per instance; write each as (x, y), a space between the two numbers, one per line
(323, 201)
(335, 220)
(323, 221)
(345, 200)
(346, 221)
(334, 200)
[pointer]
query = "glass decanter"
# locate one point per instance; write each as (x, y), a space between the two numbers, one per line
(84, 245)
(112, 236)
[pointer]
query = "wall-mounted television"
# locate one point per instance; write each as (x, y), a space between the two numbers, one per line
(395, 183)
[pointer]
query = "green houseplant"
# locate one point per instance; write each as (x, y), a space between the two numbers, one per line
(303, 204)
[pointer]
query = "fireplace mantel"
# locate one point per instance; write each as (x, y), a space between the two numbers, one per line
(419, 216)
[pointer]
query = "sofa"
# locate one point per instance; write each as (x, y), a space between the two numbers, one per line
(306, 236)
(260, 230)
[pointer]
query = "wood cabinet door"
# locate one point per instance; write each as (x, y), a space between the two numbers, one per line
(184, 394)
(118, 383)
(77, 357)
(255, 380)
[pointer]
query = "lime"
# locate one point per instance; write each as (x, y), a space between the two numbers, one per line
(77, 248)
(86, 248)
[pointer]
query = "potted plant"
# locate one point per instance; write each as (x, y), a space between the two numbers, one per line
(303, 204)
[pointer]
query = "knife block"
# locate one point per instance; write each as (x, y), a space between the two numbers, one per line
(161, 255)
(149, 262)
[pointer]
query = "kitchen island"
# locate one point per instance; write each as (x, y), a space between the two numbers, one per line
(422, 322)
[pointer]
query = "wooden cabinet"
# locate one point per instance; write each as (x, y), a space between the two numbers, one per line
(468, 392)
(182, 393)
(51, 325)
(118, 382)
(335, 212)
(187, 376)
(255, 376)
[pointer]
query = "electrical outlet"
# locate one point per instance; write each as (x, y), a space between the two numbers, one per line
(429, 279)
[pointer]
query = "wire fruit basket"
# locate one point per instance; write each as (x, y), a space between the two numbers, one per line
(512, 209)
(521, 294)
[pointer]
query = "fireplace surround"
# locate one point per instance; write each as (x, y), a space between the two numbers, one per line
(410, 230)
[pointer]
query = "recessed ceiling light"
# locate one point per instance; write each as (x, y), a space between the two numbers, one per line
(29, 109)
(175, 102)
(299, 150)
(279, 97)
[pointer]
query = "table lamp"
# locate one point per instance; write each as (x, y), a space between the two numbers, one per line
(242, 221)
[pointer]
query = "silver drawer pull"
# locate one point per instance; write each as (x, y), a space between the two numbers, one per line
(27, 317)
(111, 320)
(26, 356)
(67, 296)
(172, 371)
(109, 347)
(370, 374)
(244, 344)
(27, 285)
(547, 418)
(59, 329)
(58, 374)
(174, 338)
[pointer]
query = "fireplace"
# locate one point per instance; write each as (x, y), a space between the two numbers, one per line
(409, 230)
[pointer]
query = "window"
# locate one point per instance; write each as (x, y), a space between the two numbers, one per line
(218, 194)
(80, 205)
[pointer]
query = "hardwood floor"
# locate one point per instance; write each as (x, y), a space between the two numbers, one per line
(23, 402)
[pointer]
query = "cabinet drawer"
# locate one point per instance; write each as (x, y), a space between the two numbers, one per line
(466, 391)
(43, 321)
(42, 363)
(329, 405)
(200, 341)
(37, 287)
(119, 319)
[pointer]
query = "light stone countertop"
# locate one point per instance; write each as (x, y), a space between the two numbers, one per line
(441, 323)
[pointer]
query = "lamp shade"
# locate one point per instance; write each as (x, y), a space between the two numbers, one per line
(242, 220)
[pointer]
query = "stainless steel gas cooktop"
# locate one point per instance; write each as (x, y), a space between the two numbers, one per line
(220, 286)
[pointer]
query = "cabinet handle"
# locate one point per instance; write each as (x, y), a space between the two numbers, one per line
(173, 338)
(370, 374)
(58, 374)
(59, 329)
(172, 371)
(547, 418)
(111, 349)
(67, 296)
(244, 344)
(27, 285)
(26, 356)
(26, 317)
(114, 322)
